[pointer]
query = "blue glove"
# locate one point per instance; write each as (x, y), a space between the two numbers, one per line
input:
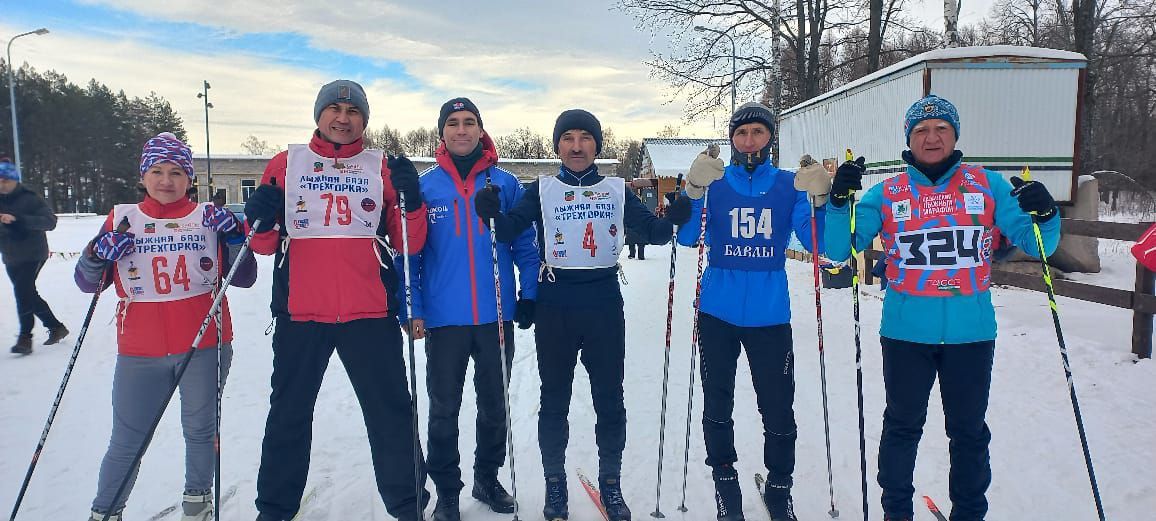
(219, 219)
(112, 246)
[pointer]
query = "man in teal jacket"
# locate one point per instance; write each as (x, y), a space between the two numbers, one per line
(938, 220)
(455, 309)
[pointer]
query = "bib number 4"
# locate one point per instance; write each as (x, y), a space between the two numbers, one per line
(588, 242)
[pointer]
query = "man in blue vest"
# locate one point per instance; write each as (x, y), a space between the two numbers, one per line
(581, 217)
(938, 220)
(751, 209)
(455, 309)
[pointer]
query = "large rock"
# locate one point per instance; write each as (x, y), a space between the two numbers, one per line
(1075, 253)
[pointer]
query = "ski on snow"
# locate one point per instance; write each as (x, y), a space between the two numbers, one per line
(934, 509)
(760, 485)
(173, 508)
(592, 491)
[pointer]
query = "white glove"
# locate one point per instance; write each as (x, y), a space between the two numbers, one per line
(813, 179)
(704, 171)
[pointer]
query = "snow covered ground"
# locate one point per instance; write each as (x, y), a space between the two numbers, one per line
(1038, 468)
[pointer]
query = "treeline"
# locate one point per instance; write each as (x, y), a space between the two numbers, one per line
(80, 146)
(824, 45)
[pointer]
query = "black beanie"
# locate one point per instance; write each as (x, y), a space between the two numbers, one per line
(578, 119)
(456, 105)
(752, 112)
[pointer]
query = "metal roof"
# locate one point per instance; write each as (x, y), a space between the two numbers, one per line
(672, 156)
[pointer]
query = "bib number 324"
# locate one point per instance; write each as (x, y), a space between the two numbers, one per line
(951, 247)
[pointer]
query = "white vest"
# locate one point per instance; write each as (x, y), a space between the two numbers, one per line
(582, 225)
(174, 259)
(324, 199)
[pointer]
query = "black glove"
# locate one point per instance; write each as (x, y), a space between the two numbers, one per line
(524, 313)
(848, 177)
(1034, 199)
(266, 203)
(678, 212)
(487, 204)
(403, 176)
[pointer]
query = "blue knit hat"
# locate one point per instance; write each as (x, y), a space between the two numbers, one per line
(931, 107)
(345, 91)
(8, 170)
(166, 147)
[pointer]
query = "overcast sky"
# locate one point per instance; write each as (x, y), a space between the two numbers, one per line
(521, 61)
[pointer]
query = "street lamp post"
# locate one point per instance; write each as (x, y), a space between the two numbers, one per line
(208, 158)
(734, 53)
(12, 93)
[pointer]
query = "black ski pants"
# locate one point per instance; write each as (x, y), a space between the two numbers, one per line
(770, 355)
(909, 370)
(29, 303)
(448, 351)
(371, 351)
(562, 333)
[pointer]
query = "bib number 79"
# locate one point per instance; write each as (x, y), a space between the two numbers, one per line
(344, 213)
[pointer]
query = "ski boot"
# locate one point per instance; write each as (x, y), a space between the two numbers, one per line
(489, 490)
(97, 516)
(557, 498)
(779, 503)
(56, 334)
(23, 345)
(728, 495)
(611, 491)
(447, 508)
(197, 505)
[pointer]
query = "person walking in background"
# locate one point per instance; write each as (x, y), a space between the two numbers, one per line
(166, 255)
(24, 219)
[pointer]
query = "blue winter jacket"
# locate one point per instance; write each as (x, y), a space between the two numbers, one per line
(750, 298)
(936, 320)
(453, 276)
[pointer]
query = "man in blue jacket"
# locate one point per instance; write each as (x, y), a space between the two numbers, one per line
(939, 221)
(455, 309)
(751, 210)
(581, 217)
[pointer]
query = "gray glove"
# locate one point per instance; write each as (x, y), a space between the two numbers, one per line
(703, 171)
(813, 179)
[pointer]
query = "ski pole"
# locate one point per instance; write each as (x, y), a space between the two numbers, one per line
(122, 227)
(184, 365)
(834, 512)
(502, 350)
(1027, 176)
(858, 352)
(666, 362)
(694, 345)
(217, 429)
(412, 360)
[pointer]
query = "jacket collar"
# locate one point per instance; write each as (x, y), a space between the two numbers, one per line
(173, 210)
(489, 158)
(326, 148)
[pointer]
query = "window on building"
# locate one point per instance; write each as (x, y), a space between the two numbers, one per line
(248, 186)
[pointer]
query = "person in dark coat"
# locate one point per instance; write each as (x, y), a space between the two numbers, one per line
(24, 217)
(636, 243)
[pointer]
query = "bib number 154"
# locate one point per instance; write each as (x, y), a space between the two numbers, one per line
(746, 224)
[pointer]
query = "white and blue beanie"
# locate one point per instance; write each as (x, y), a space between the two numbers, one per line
(8, 170)
(930, 107)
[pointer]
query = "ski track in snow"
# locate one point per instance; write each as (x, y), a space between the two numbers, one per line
(1038, 468)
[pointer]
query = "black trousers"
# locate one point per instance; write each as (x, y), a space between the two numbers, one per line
(639, 248)
(371, 351)
(964, 372)
(448, 351)
(771, 357)
(599, 335)
(29, 303)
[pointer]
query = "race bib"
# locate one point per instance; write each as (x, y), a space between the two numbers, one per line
(173, 259)
(951, 248)
(582, 225)
(332, 198)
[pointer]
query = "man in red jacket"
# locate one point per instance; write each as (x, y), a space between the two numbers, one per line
(324, 209)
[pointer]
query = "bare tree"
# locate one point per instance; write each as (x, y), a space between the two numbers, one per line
(386, 139)
(524, 143)
(421, 142)
(257, 147)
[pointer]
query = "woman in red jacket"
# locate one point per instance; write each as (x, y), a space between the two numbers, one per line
(166, 255)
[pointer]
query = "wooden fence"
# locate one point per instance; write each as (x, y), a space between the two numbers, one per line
(1140, 300)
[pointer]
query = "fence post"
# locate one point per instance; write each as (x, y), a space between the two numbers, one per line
(1142, 322)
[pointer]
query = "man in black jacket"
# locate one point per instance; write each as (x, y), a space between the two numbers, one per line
(581, 218)
(24, 217)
